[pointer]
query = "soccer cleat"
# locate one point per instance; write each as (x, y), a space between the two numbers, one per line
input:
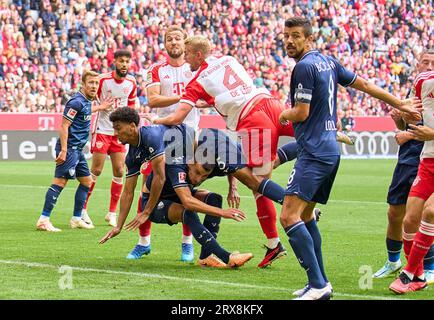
(138, 252)
(211, 261)
(317, 212)
(429, 276)
(85, 217)
(316, 294)
(238, 259)
(79, 224)
(389, 269)
(187, 254)
(271, 255)
(46, 225)
(302, 291)
(344, 138)
(111, 219)
(404, 284)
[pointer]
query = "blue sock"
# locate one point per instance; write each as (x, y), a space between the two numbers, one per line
(51, 196)
(287, 152)
(393, 249)
(271, 190)
(212, 223)
(203, 236)
(302, 245)
(80, 199)
(428, 261)
(312, 227)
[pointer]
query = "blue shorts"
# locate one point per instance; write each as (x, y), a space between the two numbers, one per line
(312, 179)
(74, 166)
(399, 188)
(160, 214)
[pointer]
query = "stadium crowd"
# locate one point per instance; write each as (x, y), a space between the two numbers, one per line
(45, 45)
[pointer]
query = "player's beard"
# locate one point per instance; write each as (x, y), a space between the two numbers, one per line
(175, 55)
(120, 74)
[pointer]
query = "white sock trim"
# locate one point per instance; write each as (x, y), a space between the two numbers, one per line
(117, 180)
(408, 236)
(145, 241)
(187, 239)
(273, 242)
(427, 228)
(409, 274)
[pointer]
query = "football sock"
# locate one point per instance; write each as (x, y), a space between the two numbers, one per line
(80, 199)
(212, 223)
(186, 233)
(287, 152)
(92, 185)
(144, 228)
(203, 236)
(267, 216)
(51, 196)
(422, 243)
(271, 190)
(145, 241)
(428, 261)
(312, 227)
(394, 248)
(407, 240)
(302, 245)
(115, 192)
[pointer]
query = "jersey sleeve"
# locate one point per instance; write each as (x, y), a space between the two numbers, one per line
(345, 77)
(154, 143)
(133, 167)
(193, 92)
(177, 174)
(133, 95)
(153, 77)
(304, 79)
(72, 108)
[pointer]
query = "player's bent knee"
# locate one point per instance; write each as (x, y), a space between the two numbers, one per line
(428, 212)
(411, 223)
(96, 172)
(214, 199)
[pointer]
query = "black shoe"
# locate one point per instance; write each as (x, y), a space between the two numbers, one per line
(271, 255)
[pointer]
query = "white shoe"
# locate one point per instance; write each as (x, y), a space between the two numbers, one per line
(45, 225)
(389, 269)
(85, 217)
(303, 290)
(429, 276)
(111, 219)
(316, 294)
(79, 224)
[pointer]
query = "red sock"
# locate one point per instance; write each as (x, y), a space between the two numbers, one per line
(145, 228)
(407, 247)
(88, 194)
(267, 216)
(115, 190)
(422, 242)
(186, 230)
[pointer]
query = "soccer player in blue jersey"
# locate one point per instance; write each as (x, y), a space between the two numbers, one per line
(403, 177)
(174, 201)
(313, 88)
(70, 161)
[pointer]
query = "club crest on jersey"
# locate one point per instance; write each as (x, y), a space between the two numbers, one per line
(182, 176)
(188, 74)
(151, 150)
(71, 113)
(126, 89)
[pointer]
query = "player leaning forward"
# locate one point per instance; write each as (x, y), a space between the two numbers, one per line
(314, 82)
(223, 83)
(70, 160)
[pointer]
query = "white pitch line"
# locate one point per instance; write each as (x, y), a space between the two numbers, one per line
(244, 197)
(190, 280)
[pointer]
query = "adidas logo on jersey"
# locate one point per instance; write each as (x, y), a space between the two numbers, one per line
(166, 76)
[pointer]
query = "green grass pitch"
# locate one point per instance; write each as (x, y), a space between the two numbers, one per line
(353, 227)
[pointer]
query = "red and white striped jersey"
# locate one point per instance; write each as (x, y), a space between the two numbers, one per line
(172, 81)
(424, 90)
(125, 93)
(224, 83)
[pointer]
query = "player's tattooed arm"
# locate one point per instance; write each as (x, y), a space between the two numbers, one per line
(397, 118)
(156, 100)
(125, 206)
(176, 117)
(233, 197)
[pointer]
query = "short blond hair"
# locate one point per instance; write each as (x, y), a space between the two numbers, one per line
(173, 29)
(199, 43)
(88, 73)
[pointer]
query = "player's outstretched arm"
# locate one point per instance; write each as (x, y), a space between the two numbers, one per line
(409, 106)
(176, 117)
(191, 203)
(125, 206)
(233, 197)
(156, 100)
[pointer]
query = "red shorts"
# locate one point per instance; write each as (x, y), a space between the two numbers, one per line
(146, 168)
(260, 131)
(106, 144)
(423, 185)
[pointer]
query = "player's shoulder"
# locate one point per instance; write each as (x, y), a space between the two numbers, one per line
(105, 76)
(157, 65)
(421, 77)
(131, 78)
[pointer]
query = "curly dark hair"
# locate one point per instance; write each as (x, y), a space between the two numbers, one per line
(125, 114)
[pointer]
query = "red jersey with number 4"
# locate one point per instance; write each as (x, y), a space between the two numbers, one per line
(224, 83)
(125, 93)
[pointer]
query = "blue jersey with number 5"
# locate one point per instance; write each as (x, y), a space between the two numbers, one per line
(314, 81)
